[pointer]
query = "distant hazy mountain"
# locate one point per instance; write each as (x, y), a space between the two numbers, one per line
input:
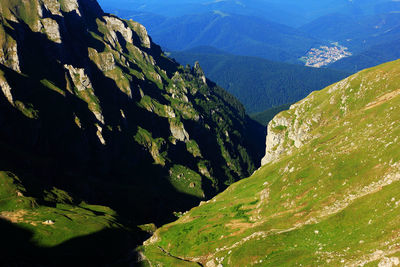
(236, 34)
(369, 58)
(260, 8)
(255, 27)
(338, 27)
(357, 32)
(259, 83)
(373, 39)
(288, 12)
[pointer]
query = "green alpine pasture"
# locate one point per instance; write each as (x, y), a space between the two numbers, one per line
(333, 201)
(56, 222)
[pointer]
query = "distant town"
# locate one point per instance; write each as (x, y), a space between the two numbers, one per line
(325, 55)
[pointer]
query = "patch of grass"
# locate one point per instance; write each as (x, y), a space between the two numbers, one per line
(186, 181)
(27, 109)
(240, 213)
(193, 148)
(64, 221)
(145, 138)
(280, 128)
(52, 86)
(12, 193)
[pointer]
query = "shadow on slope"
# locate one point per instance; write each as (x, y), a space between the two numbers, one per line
(50, 149)
(99, 249)
(53, 148)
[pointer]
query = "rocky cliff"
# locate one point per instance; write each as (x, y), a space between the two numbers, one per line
(327, 195)
(91, 111)
(290, 130)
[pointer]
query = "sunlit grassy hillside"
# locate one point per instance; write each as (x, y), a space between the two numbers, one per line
(328, 194)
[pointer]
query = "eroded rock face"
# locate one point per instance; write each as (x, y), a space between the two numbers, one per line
(170, 112)
(9, 56)
(142, 33)
(204, 171)
(71, 5)
(178, 131)
(116, 25)
(199, 71)
(274, 143)
(104, 61)
(53, 6)
(100, 134)
(52, 30)
(5, 87)
(79, 77)
(99, 116)
(80, 7)
(288, 131)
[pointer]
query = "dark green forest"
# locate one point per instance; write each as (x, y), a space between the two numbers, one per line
(371, 57)
(266, 116)
(258, 83)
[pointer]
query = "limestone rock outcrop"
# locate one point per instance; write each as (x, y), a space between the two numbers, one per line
(289, 130)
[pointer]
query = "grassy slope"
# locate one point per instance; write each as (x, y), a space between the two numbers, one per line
(71, 220)
(58, 231)
(333, 201)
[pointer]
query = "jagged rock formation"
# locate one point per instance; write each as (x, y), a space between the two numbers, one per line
(327, 195)
(91, 111)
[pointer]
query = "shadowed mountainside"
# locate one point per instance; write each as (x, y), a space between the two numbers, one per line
(101, 133)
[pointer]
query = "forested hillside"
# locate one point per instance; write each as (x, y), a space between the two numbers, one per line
(372, 39)
(266, 116)
(258, 83)
(373, 56)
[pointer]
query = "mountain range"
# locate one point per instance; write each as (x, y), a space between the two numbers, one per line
(173, 8)
(373, 56)
(369, 29)
(232, 33)
(371, 38)
(289, 12)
